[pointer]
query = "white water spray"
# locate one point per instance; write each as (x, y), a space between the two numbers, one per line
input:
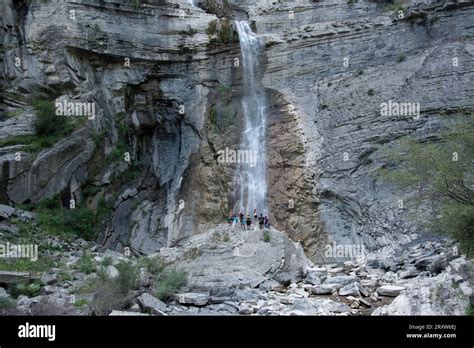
(250, 179)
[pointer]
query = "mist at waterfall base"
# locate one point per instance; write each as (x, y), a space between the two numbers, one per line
(250, 185)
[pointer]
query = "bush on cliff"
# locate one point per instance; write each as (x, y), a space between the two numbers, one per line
(441, 171)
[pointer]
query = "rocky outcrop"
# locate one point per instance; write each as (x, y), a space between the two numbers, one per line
(227, 257)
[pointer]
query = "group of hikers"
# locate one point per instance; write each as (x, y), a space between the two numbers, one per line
(246, 220)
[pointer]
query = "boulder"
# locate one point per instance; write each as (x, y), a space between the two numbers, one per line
(150, 303)
(112, 272)
(126, 313)
(340, 280)
(313, 278)
(324, 289)
(390, 290)
(363, 290)
(49, 279)
(246, 309)
(6, 212)
(350, 289)
(194, 299)
(409, 273)
(11, 277)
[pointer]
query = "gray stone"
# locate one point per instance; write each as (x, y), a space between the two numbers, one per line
(49, 279)
(3, 293)
(112, 272)
(409, 273)
(340, 280)
(6, 211)
(246, 309)
(313, 278)
(49, 289)
(116, 313)
(350, 289)
(363, 290)
(10, 277)
(152, 304)
(194, 299)
(324, 289)
(364, 302)
(390, 290)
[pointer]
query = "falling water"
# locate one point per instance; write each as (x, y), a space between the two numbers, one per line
(250, 178)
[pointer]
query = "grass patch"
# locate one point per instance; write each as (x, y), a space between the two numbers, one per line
(81, 303)
(43, 264)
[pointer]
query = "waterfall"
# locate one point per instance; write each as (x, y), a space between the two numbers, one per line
(250, 178)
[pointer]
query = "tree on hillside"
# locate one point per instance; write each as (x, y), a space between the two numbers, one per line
(441, 170)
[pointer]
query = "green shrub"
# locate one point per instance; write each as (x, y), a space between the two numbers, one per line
(86, 264)
(81, 221)
(470, 310)
(371, 92)
(212, 27)
(24, 288)
(154, 265)
(107, 261)
(113, 293)
(401, 57)
(47, 123)
(226, 34)
(65, 276)
(169, 283)
(6, 303)
(439, 171)
(226, 237)
(266, 236)
(128, 276)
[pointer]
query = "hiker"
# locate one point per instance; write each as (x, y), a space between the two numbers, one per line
(242, 219)
(255, 216)
(249, 221)
(261, 221)
(231, 218)
(266, 222)
(235, 219)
